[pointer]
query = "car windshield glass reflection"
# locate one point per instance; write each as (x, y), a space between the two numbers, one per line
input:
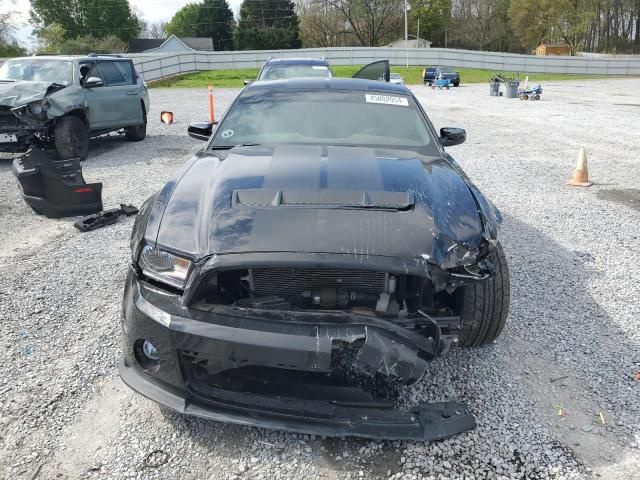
(354, 118)
(38, 70)
(294, 71)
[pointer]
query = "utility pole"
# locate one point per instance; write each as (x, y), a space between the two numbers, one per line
(418, 33)
(406, 30)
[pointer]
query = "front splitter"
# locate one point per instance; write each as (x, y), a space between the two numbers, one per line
(427, 422)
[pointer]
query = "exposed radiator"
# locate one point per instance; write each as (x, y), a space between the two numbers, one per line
(290, 283)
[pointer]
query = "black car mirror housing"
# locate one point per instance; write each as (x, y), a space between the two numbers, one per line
(201, 130)
(452, 136)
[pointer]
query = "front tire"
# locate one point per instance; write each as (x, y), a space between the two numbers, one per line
(139, 132)
(485, 306)
(71, 138)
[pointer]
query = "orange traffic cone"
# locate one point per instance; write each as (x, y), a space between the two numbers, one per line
(581, 173)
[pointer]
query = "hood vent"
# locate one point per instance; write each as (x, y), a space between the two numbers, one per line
(323, 198)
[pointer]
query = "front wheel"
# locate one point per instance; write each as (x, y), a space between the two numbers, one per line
(456, 84)
(71, 138)
(485, 306)
(139, 132)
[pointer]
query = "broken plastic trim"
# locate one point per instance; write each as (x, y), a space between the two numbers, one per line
(102, 219)
(271, 340)
(426, 422)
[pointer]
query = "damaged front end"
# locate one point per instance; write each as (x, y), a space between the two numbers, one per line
(282, 341)
(27, 116)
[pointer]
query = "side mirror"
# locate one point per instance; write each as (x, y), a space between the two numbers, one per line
(452, 136)
(201, 130)
(247, 82)
(93, 82)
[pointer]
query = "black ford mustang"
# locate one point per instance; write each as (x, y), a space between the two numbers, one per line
(318, 252)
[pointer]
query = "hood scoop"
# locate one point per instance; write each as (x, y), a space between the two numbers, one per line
(323, 198)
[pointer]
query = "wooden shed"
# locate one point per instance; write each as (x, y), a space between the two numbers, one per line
(553, 49)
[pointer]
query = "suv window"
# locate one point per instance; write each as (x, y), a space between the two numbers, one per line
(116, 73)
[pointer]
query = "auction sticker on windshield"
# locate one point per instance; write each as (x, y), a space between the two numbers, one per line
(386, 99)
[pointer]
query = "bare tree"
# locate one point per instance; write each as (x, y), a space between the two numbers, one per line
(321, 25)
(479, 23)
(373, 22)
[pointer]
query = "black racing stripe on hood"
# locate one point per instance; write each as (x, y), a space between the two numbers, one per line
(353, 169)
(293, 166)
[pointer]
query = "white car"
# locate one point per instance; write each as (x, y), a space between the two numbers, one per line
(396, 78)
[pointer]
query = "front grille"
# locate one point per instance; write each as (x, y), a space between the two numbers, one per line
(7, 118)
(289, 283)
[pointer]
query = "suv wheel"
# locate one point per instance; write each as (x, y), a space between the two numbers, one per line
(71, 138)
(485, 306)
(137, 133)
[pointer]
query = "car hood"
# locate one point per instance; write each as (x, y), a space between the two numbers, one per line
(15, 94)
(324, 199)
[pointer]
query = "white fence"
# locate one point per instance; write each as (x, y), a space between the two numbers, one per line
(153, 66)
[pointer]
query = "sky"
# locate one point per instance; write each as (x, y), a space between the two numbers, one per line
(151, 10)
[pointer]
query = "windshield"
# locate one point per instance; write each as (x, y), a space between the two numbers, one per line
(276, 72)
(327, 117)
(38, 70)
(445, 69)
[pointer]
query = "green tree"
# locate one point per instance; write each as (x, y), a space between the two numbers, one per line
(211, 18)
(98, 18)
(51, 38)
(433, 17)
(267, 25)
(535, 21)
(89, 44)
(216, 21)
(185, 21)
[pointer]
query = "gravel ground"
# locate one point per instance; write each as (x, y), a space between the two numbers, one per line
(572, 340)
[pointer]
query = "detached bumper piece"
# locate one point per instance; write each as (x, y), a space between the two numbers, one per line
(102, 219)
(56, 188)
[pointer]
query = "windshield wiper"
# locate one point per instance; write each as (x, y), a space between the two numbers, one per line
(229, 147)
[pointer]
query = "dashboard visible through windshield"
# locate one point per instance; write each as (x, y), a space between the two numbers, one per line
(326, 117)
(38, 70)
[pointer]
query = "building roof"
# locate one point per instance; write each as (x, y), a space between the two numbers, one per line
(141, 45)
(410, 38)
(558, 44)
(198, 43)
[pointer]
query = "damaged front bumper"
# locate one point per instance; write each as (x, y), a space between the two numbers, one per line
(55, 188)
(203, 360)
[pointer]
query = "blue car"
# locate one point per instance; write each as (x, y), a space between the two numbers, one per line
(430, 74)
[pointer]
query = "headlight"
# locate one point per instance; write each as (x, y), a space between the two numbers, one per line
(164, 267)
(38, 107)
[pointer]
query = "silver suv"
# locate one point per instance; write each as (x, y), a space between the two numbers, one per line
(62, 101)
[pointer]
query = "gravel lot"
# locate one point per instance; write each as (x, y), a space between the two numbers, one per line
(572, 340)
